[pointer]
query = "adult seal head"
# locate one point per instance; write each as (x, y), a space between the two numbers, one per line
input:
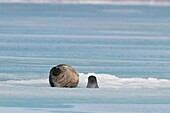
(63, 76)
(92, 82)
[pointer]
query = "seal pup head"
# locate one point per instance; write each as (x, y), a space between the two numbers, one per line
(92, 82)
(63, 76)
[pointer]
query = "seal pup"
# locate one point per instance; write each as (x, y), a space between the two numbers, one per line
(63, 76)
(92, 82)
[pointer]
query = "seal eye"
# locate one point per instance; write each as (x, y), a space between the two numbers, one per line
(55, 71)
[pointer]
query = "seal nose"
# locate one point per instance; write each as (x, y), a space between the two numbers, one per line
(55, 71)
(92, 80)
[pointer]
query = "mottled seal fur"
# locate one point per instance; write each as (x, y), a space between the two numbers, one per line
(92, 82)
(63, 76)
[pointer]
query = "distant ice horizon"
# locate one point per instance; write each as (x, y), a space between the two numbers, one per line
(116, 2)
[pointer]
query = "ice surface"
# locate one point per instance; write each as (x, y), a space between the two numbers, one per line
(102, 108)
(104, 81)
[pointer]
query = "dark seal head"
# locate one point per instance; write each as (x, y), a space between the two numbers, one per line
(92, 82)
(63, 76)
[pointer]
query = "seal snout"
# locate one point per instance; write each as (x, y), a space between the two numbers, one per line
(92, 79)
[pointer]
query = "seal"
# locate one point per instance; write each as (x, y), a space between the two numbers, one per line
(63, 75)
(92, 82)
